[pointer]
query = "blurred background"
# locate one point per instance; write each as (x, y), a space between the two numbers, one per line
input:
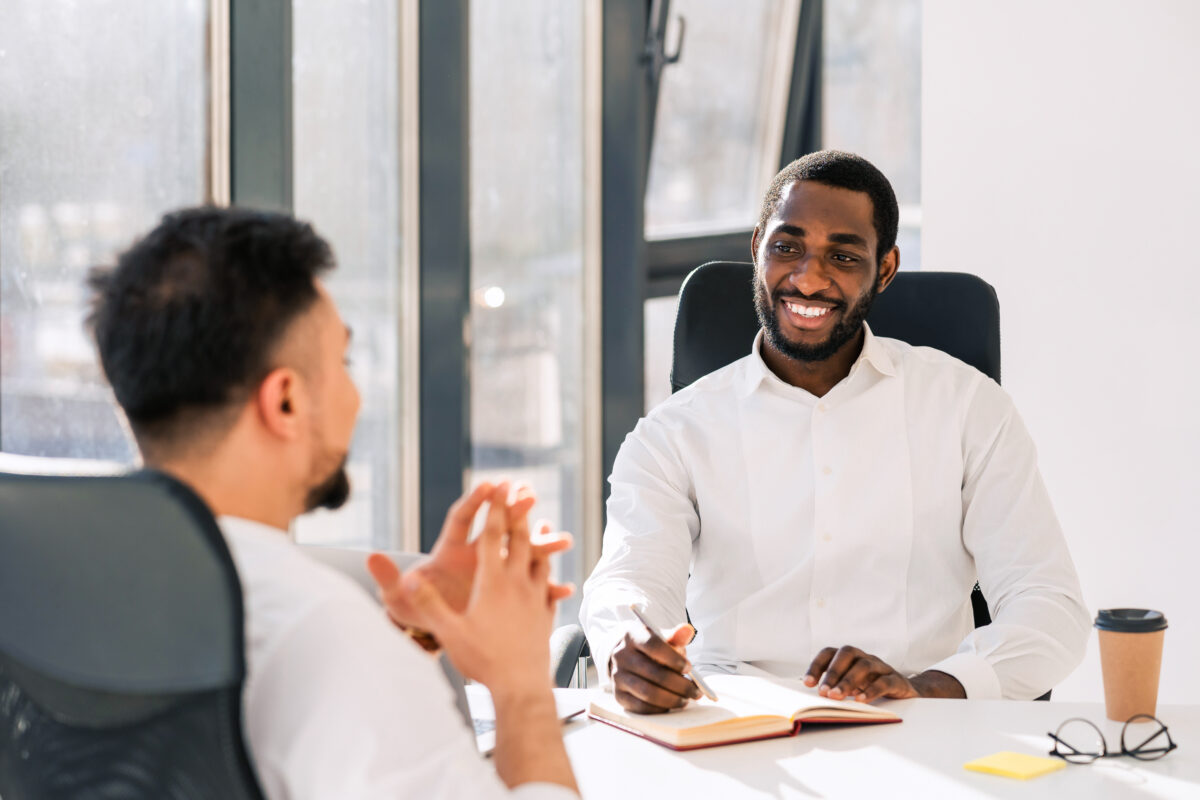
(515, 190)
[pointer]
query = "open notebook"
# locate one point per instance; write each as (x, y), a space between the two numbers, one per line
(749, 708)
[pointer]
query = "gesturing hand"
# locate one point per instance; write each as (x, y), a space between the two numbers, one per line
(501, 638)
(848, 673)
(450, 567)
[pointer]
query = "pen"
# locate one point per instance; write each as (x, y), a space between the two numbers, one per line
(690, 673)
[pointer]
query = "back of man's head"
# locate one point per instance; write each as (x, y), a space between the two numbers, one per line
(844, 171)
(188, 320)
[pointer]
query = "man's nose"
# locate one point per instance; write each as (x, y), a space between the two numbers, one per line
(809, 276)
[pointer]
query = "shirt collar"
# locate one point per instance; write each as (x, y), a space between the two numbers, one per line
(873, 353)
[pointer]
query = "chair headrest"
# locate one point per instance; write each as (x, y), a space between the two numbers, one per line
(954, 312)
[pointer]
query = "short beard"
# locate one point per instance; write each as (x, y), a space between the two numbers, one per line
(842, 333)
(331, 493)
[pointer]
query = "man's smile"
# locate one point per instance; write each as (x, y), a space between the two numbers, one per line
(807, 315)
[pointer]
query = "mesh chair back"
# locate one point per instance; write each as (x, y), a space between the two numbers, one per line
(121, 643)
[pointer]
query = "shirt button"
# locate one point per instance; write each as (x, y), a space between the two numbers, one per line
(820, 602)
(827, 470)
(822, 407)
(827, 538)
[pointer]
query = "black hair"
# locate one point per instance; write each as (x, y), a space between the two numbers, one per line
(844, 171)
(187, 321)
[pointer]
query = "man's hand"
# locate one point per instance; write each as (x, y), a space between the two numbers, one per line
(501, 638)
(850, 674)
(451, 565)
(648, 674)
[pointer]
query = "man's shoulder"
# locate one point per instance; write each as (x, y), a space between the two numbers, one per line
(285, 590)
(703, 394)
(929, 368)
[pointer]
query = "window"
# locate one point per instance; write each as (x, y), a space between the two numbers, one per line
(526, 201)
(346, 173)
(872, 98)
(103, 120)
(719, 127)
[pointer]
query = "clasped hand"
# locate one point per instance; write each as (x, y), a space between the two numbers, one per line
(490, 602)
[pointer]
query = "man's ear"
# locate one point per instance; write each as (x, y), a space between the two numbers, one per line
(754, 245)
(888, 268)
(278, 401)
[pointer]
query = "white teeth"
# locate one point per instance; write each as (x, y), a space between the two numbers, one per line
(807, 311)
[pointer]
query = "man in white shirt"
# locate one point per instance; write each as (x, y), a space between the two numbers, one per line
(229, 359)
(821, 508)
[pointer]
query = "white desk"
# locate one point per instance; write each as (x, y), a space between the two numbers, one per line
(920, 757)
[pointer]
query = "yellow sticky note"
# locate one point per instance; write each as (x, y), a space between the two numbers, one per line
(1015, 765)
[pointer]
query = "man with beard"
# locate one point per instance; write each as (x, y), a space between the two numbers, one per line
(229, 359)
(820, 509)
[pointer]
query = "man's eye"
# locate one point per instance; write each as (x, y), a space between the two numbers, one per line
(843, 258)
(783, 247)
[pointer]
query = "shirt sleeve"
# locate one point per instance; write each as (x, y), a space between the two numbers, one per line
(344, 706)
(652, 521)
(1039, 623)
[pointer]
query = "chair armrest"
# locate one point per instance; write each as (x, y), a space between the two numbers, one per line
(567, 646)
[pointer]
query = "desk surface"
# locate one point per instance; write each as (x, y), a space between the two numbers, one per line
(921, 757)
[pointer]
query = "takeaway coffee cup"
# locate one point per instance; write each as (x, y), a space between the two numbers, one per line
(1131, 642)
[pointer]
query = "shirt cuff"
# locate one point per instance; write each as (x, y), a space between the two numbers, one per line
(975, 673)
(543, 791)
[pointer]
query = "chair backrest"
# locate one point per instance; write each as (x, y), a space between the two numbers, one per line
(951, 311)
(954, 312)
(121, 643)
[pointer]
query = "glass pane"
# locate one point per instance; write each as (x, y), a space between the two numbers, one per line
(659, 348)
(102, 129)
(346, 145)
(527, 253)
(872, 98)
(719, 128)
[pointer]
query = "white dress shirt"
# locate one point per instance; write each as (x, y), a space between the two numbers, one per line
(784, 523)
(339, 703)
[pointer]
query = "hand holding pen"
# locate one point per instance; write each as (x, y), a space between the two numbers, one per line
(650, 673)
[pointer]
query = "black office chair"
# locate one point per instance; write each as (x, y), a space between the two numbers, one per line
(121, 643)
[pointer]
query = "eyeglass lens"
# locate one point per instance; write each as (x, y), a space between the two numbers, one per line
(1146, 738)
(1079, 742)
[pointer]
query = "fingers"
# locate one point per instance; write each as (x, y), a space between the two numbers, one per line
(891, 685)
(495, 527)
(656, 650)
(646, 686)
(518, 532)
(843, 659)
(560, 591)
(861, 674)
(461, 515)
(425, 599)
(818, 666)
(546, 544)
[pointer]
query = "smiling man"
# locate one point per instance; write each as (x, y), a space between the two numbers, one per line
(822, 507)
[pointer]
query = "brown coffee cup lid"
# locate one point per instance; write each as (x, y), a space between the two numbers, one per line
(1130, 620)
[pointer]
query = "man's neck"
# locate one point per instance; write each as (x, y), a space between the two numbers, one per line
(231, 492)
(815, 377)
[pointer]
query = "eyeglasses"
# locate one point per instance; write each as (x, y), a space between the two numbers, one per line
(1081, 742)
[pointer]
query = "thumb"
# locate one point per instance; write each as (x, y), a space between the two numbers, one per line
(680, 637)
(384, 571)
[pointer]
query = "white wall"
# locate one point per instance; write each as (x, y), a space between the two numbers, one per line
(1061, 162)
